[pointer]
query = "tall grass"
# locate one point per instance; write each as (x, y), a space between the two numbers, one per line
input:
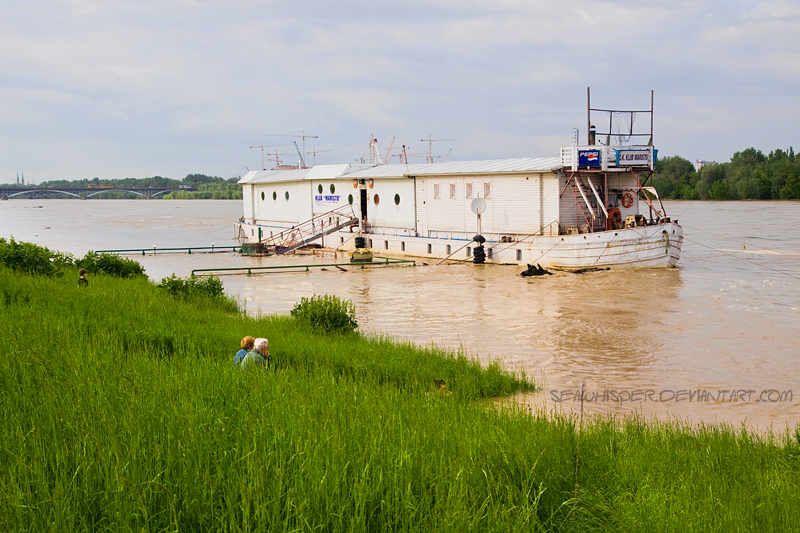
(121, 411)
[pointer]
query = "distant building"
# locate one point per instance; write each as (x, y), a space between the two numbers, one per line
(700, 164)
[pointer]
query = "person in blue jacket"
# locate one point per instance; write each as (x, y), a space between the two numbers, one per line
(258, 356)
(247, 345)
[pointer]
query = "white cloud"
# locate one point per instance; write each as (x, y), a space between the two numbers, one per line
(503, 77)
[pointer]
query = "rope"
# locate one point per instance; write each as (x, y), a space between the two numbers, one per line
(604, 249)
(545, 253)
(539, 233)
(736, 240)
(743, 259)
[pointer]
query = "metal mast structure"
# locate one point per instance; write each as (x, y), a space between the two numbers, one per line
(303, 136)
(620, 114)
(262, 146)
(430, 140)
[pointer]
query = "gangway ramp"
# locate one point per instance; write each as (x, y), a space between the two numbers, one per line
(309, 231)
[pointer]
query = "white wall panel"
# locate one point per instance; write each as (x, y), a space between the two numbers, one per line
(278, 209)
(247, 201)
(387, 213)
(549, 186)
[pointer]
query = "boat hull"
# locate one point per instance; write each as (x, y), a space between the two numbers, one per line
(656, 246)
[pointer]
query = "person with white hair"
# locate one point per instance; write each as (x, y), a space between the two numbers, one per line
(258, 356)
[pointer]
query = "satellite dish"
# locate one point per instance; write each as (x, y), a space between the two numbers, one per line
(478, 206)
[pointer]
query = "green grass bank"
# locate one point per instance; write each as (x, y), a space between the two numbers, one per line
(121, 411)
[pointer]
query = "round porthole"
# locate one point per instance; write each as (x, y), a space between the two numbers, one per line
(377, 199)
(350, 199)
(319, 188)
(287, 195)
(333, 188)
(396, 199)
(274, 195)
(262, 196)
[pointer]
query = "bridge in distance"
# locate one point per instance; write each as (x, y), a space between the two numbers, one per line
(6, 193)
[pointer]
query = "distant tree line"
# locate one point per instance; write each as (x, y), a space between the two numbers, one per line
(208, 187)
(750, 175)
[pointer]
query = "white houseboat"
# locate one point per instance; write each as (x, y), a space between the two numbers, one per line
(589, 207)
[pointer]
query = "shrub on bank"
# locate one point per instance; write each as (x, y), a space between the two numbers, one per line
(210, 287)
(31, 258)
(110, 264)
(327, 313)
(194, 287)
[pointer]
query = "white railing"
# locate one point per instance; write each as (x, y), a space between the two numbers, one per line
(609, 157)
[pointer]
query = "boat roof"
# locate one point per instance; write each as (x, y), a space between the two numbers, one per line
(299, 174)
(491, 166)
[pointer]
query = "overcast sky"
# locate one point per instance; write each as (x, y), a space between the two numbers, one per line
(121, 88)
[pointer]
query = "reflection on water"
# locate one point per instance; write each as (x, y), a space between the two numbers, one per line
(726, 320)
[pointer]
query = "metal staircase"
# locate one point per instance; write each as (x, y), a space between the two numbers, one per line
(309, 231)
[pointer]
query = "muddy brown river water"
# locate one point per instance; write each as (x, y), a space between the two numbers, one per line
(715, 340)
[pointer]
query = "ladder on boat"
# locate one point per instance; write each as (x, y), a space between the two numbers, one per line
(309, 231)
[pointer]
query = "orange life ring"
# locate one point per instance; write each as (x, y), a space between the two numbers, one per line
(355, 184)
(627, 200)
(370, 183)
(614, 216)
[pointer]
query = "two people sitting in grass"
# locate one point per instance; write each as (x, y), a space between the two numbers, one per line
(254, 352)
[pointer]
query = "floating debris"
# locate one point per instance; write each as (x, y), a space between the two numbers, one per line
(535, 271)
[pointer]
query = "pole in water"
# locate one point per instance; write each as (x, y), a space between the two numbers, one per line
(212, 247)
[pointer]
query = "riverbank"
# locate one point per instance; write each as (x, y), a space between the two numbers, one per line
(122, 411)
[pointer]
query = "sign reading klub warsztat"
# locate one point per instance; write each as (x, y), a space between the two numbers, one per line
(635, 158)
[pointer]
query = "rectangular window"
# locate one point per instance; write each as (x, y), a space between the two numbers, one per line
(487, 190)
(448, 249)
(429, 248)
(469, 190)
(452, 190)
(489, 253)
(403, 246)
(436, 190)
(519, 255)
(469, 251)
(385, 245)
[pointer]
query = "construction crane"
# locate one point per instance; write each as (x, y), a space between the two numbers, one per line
(314, 153)
(430, 140)
(277, 160)
(386, 157)
(302, 136)
(404, 155)
(302, 160)
(262, 146)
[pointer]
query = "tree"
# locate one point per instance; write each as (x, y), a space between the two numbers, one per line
(671, 175)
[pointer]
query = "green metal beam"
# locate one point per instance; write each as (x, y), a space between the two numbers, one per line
(187, 249)
(377, 261)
